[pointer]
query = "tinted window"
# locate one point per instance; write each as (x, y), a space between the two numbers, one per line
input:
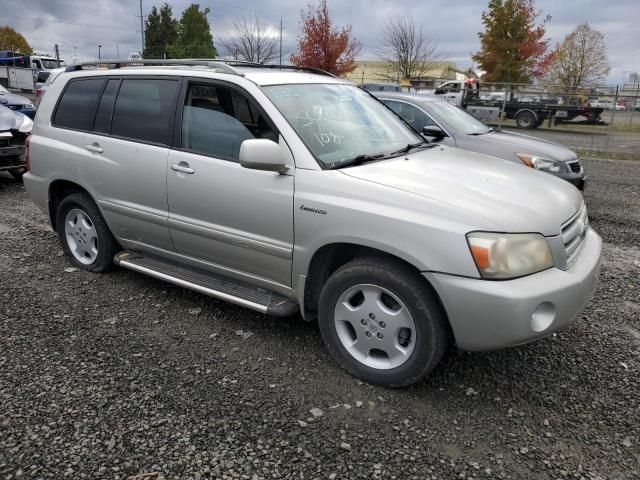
(77, 104)
(105, 107)
(144, 109)
(216, 120)
(410, 114)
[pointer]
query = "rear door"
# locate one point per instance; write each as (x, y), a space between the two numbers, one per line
(129, 144)
(235, 219)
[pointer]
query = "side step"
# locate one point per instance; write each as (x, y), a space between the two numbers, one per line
(223, 288)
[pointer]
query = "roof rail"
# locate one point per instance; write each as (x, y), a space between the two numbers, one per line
(219, 65)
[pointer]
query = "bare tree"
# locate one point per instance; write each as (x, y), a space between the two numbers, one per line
(253, 40)
(581, 59)
(409, 52)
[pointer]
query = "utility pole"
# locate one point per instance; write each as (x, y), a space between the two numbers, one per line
(118, 50)
(281, 29)
(141, 29)
(57, 50)
(99, 54)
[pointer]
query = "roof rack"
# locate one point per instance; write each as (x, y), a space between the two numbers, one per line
(317, 71)
(219, 64)
(216, 64)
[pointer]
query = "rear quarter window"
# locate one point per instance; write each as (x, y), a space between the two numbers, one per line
(77, 104)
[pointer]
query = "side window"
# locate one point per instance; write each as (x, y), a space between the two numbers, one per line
(104, 113)
(144, 109)
(411, 114)
(78, 102)
(216, 120)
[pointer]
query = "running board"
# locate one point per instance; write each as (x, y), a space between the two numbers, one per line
(216, 286)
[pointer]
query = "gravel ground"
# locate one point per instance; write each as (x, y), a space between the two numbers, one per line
(119, 375)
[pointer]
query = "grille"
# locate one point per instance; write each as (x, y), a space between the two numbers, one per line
(575, 166)
(13, 107)
(573, 233)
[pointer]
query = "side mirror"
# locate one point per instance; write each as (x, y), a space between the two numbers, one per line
(438, 91)
(433, 131)
(262, 154)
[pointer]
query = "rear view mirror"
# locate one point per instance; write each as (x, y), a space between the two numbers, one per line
(433, 131)
(262, 154)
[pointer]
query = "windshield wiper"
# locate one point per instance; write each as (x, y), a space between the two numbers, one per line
(410, 147)
(357, 160)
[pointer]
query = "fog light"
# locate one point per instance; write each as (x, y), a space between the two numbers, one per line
(543, 316)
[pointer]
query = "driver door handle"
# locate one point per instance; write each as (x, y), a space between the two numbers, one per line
(182, 167)
(94, 147)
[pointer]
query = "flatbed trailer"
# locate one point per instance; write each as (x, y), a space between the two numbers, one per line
(527, 114)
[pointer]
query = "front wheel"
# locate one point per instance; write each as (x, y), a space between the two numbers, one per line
(382, 322)
(84, 235)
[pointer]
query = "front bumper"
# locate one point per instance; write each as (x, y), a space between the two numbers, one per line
(578, 180)
(11, 157)
(489, 315)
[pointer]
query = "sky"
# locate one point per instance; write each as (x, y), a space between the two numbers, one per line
(79, 26)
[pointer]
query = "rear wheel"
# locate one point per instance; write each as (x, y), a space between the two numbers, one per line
(84, 235)
(382, 322)
(526, 119)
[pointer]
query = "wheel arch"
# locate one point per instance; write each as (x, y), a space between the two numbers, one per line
(58, 191)
(328, 258)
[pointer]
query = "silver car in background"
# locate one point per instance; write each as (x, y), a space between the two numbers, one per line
(450, 125)
(288, 190)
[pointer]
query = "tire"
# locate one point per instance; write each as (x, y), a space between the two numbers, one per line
(526, 119)
(397, 288)
(84, 235)
(17, 174)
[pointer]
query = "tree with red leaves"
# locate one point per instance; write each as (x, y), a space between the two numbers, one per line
(512, 47)
(322, 45)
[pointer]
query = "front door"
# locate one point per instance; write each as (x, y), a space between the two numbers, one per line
(232, 218)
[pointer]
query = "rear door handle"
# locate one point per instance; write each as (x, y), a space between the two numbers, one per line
(182, 167)
(94, 147)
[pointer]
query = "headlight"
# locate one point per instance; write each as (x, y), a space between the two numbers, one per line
(23, 123)
(509, 255)
(28, 106)
(540, 163)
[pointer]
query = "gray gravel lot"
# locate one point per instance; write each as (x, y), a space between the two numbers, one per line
(116, 375)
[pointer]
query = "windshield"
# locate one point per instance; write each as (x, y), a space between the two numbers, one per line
(50, 64)
(340, 122)
(456, 118)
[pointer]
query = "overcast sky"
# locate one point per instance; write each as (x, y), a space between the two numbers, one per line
(78, 26)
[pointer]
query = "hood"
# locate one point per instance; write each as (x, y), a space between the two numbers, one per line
(511, 143)
(7, 119)
(486, 193)
(13, 99)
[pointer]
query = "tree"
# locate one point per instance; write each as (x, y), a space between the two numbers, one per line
(253, 40)
(194, 38)
(407, 49)
(321, 45)
(160, 31)
(512, 47)
(581, 59)
(12, 40)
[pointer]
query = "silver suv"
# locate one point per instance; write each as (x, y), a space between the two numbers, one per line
(287, 190)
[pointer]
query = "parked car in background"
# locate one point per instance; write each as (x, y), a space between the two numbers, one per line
(42, 88)
(450, 125)
(382, 87)
(620, 107)
(17, 103)
(606, 104)
(14, 130)
(286, 189)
